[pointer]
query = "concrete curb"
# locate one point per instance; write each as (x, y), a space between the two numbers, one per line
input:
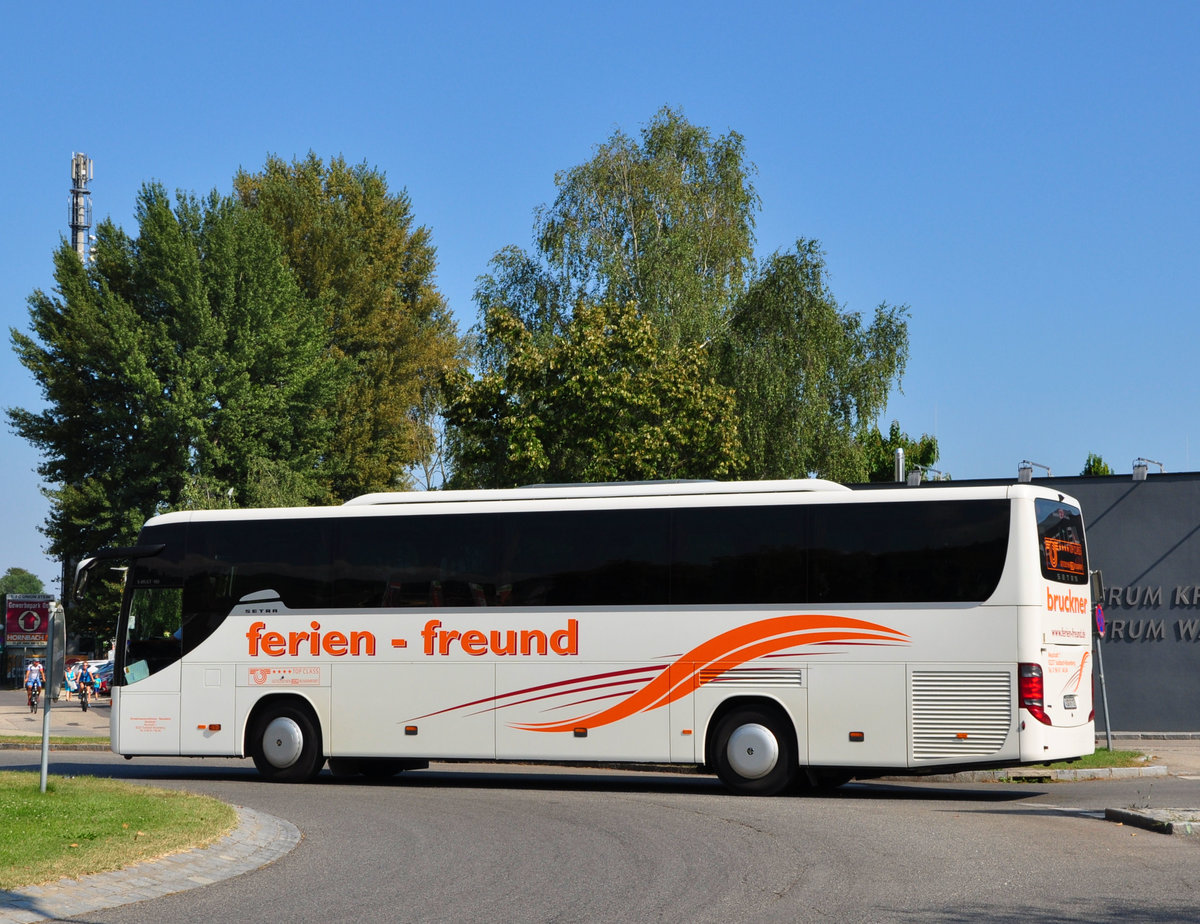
(36, 745)
(259, 839)
(1184, 822)
(1037, 774)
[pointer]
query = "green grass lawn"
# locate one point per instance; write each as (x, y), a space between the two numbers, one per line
(84, 825)
(1104, 758)
(55, 740)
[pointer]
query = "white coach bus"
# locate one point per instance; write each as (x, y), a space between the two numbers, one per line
(776, 633)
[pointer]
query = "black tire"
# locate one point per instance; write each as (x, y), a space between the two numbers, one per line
(821, 780)
(285, 743)
(374, 768)
(754, 752)
(381, 768)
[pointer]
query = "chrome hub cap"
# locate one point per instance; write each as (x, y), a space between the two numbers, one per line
(282, 742)
(752, 751)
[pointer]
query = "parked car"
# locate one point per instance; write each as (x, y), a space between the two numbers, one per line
(103, 673)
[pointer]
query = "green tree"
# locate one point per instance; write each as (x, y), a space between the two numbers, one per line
(666, 224)
(20, 581)
(1095, 466)
(881, 453)
(810, 378)
(357, 253)
(605, 401)
(182, 368)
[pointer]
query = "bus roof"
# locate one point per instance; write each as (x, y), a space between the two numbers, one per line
(607, 489)
(577, 496)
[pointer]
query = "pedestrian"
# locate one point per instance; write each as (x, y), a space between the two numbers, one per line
(72, 681)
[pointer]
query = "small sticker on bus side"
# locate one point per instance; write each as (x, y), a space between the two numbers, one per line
(283, 676)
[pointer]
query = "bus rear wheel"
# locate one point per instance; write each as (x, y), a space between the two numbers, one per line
(754, 752)
(286, 744)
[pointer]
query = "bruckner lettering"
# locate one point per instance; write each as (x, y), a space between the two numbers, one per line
(1065, 603)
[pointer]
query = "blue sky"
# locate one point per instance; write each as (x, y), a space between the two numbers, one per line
(1024, 176)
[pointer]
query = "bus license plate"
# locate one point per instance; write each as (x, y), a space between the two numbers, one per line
(1069, 701)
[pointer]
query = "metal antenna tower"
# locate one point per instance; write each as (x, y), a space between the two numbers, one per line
(80, 218)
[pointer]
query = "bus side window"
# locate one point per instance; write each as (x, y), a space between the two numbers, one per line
(155, 630)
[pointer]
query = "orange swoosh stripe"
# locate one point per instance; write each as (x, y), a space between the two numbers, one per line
(728, 650)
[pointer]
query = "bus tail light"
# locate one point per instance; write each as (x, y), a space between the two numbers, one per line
(1031, 692)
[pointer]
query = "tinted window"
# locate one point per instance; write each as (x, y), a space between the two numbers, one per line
(562, 558)
(398, 561)
(796, 554)
(740, 555)
(228, 560)
(1060, 542)
(917, 551)
(586, 558)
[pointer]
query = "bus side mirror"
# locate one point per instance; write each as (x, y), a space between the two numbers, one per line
(123, 553)
(82, 570)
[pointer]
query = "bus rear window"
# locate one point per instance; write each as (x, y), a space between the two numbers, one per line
(1060, 542)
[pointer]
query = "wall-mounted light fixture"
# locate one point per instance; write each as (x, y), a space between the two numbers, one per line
(1142, 466)
(1025, 470)
(925, 473)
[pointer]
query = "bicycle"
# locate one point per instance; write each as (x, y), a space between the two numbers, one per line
(83, 696)
(33, 698)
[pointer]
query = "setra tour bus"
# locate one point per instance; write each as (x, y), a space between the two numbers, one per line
(778, 633)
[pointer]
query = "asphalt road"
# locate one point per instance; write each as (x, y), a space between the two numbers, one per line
(480, 842)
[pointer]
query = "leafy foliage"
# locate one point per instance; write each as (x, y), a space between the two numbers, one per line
(356, 253)
(810, 379)
(666, 225)
(181, 366)
(881, 453)
(1095, 466)
(605, 401)
(20, 581)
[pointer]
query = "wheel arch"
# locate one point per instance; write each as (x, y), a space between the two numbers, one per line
(274, 701)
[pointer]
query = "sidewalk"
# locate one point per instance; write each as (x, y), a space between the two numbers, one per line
(1180, 755)
(66, 718)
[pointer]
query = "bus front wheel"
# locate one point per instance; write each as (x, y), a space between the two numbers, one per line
(286, 744)
(754, 753)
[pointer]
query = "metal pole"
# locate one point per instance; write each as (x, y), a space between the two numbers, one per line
(1103, 690)
(47, 699)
